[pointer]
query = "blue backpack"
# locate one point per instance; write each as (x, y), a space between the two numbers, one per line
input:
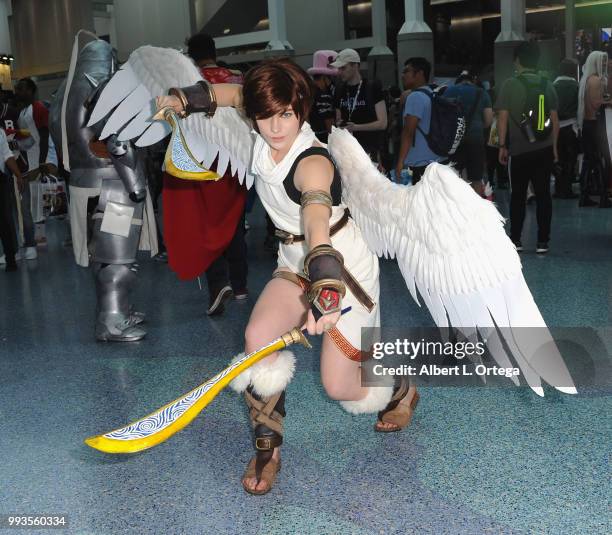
(447, 126)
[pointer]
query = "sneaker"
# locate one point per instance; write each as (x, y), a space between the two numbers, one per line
(241, 295)
(30, 253)
(542, 247)
(518, 245)
(218, 300)
(161, 257)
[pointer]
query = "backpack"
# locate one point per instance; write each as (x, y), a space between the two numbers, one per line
(447, 125)
(535, 124)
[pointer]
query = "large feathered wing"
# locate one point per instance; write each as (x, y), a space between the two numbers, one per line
(451, 246)
(128, 104)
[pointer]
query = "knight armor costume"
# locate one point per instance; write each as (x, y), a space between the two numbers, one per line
(115, 171)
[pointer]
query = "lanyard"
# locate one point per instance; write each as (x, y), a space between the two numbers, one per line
(354, 101)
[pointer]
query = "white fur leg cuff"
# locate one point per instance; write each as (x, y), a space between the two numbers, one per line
(375, 400)
(269, 379)
(240, 383)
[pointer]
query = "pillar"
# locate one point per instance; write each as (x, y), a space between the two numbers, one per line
(415, 38)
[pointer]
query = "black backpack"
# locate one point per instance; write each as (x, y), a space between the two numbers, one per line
(535, 124)
(447, 126)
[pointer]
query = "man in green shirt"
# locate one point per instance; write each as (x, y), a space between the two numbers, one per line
(528, 150)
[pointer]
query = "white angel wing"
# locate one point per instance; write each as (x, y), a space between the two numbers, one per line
(128, 103)
(451, 245)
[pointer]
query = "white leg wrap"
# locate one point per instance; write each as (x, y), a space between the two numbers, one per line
(375, 400)
(267, 379)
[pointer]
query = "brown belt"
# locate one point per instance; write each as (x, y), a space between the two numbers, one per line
(288, 238)
(348, 279)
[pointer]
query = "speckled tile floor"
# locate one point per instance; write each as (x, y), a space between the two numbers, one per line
(475, 460)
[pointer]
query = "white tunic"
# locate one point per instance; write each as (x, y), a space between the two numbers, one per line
(358, 260)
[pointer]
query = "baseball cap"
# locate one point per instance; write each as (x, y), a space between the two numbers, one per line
(346, 56)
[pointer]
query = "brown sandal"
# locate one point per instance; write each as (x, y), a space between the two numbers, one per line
(266, 415)
(395, 413)
(267, 474)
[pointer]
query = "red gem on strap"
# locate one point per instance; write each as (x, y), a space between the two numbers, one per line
(329, 299)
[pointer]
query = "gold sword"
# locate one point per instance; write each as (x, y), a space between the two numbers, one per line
(160, 425)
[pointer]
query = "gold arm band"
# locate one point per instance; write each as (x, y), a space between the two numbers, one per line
(316, 197)
(317, 286)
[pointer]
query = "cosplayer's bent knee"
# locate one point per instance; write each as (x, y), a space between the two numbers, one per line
(335, 388)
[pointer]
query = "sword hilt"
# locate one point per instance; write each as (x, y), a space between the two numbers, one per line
(296, 336)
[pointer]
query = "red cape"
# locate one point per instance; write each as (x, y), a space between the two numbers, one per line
(200, 218)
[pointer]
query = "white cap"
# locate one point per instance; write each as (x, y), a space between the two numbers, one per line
(346, 56)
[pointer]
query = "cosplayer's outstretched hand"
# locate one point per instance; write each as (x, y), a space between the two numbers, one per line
(325, 323)
(169, 101)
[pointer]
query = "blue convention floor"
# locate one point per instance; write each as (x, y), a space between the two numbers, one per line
(474, 460)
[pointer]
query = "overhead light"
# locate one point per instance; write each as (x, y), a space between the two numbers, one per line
(361, 6)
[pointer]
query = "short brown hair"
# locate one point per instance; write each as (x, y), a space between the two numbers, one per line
(275, 85)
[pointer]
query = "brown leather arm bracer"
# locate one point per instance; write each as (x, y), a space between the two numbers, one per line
(198, 98)
(323, 266)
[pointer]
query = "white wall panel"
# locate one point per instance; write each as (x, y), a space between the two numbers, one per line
(163, 23)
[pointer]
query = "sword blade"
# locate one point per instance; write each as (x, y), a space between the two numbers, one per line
(168, 420)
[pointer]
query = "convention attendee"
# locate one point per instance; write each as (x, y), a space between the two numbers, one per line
(322, 115)
(8, 168)
(476, 103)
(528, 128)
(9, 116)
(360, 104)
(204, 221)
(108, 174)
(414, 151)
(593, 98)
(33, 118)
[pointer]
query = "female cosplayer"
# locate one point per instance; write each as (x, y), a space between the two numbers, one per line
(323, 261)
